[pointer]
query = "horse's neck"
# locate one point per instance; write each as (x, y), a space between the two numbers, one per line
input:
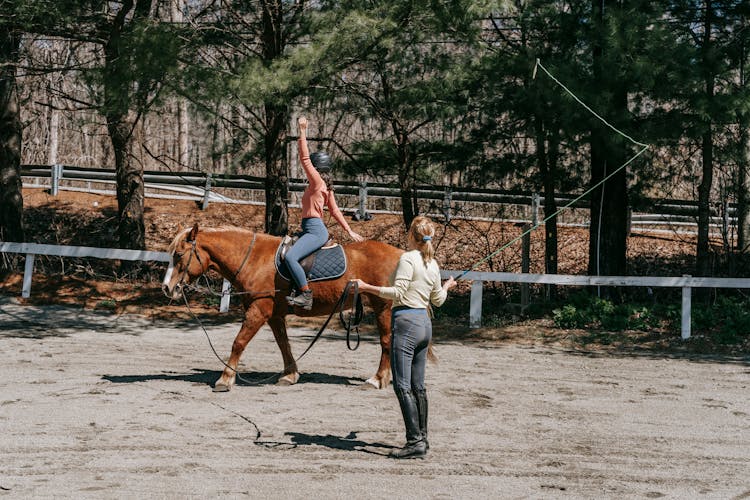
(232, 250)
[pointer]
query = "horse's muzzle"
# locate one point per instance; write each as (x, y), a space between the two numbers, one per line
(173, 294)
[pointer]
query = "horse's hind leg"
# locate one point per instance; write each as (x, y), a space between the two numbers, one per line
(382, 377)
(254, 319)
(278, 326)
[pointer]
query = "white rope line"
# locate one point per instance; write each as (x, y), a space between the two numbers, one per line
(592, 188)
(539, 64)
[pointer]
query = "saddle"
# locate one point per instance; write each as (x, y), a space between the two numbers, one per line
(326, 263)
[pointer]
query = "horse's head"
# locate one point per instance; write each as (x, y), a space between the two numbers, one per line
(188, 262)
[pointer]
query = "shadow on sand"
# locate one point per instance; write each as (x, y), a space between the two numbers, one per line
(346, 443)
(209, 377)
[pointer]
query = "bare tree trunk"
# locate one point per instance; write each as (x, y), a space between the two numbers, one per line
(547, 144)
(11, 199)
(743, 181)
(277, 118)
(609, 201)
(409, 207)
(743, 195)
(277, 179)
(703, 251)
(121, 123)
(183, 119)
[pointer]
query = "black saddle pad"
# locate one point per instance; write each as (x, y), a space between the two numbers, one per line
(323, 264)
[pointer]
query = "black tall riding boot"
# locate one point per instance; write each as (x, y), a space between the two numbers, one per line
(415, 446)
(422, 409)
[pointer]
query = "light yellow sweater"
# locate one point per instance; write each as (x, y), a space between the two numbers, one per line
(414, 284)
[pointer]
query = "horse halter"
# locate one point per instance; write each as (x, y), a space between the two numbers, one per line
(193, 252)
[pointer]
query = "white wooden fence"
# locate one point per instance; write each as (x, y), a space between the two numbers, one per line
(686, 283)
(31, 250)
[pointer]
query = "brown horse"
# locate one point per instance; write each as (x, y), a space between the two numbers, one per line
(246, 259)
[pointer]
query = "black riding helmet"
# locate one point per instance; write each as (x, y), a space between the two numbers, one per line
(321, 161)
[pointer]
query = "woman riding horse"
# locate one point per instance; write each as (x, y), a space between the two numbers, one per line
(246, 259)
(317, 195)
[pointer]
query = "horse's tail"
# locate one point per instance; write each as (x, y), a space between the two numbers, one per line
(431, 355)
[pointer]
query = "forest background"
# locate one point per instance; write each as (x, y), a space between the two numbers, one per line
(411, 92)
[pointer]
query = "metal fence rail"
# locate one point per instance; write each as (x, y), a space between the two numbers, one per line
(202, 187)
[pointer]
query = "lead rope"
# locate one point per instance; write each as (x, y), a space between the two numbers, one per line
(355, 318)
(538, 64)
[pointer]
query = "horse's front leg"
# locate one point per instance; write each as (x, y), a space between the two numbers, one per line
(382, 377)
(290, 375)
(254, 319)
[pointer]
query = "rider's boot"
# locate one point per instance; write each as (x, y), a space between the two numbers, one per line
(415, 445)
(303, 300)
(422, 410)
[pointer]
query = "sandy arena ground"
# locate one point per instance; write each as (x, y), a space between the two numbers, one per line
(94, 405)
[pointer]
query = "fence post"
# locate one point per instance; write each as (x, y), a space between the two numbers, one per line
(475, 304)
(725, 221)
(447, 197)
(226, 289)
(525, 264)
(206, 191)
(362, 211)
(55, 177)
(535, 203)
(28, 272)
(686, 316)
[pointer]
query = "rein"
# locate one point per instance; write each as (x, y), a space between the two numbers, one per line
(247, 256)
(355, 317)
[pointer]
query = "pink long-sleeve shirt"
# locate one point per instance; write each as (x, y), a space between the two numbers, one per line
(316, 195)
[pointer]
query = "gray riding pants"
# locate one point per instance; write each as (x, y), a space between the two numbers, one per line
(314, 236)
(411, 334)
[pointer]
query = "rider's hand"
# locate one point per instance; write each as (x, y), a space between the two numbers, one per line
(356, 237)
(362, 286)
(449, 283)
(302, 123)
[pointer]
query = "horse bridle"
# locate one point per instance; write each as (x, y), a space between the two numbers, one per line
(194, 252)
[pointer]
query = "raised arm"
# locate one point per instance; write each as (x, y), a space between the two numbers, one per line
(312, 174)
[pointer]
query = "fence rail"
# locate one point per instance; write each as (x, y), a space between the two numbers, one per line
(686, 283)
(651, 212)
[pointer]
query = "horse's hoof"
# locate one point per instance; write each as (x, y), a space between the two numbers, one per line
(290, 379)
(371, 383)
(221, 388)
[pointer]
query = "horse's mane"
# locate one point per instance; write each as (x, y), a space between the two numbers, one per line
(183, 234)
(177, 239)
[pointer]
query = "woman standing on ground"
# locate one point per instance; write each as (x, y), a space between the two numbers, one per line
(318, 194)
(414, 286)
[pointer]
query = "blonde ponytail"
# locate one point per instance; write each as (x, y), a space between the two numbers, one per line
(422, 230)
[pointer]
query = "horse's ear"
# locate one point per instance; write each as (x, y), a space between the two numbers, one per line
(193, 232)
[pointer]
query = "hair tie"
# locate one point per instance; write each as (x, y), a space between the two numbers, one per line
(426, 238)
